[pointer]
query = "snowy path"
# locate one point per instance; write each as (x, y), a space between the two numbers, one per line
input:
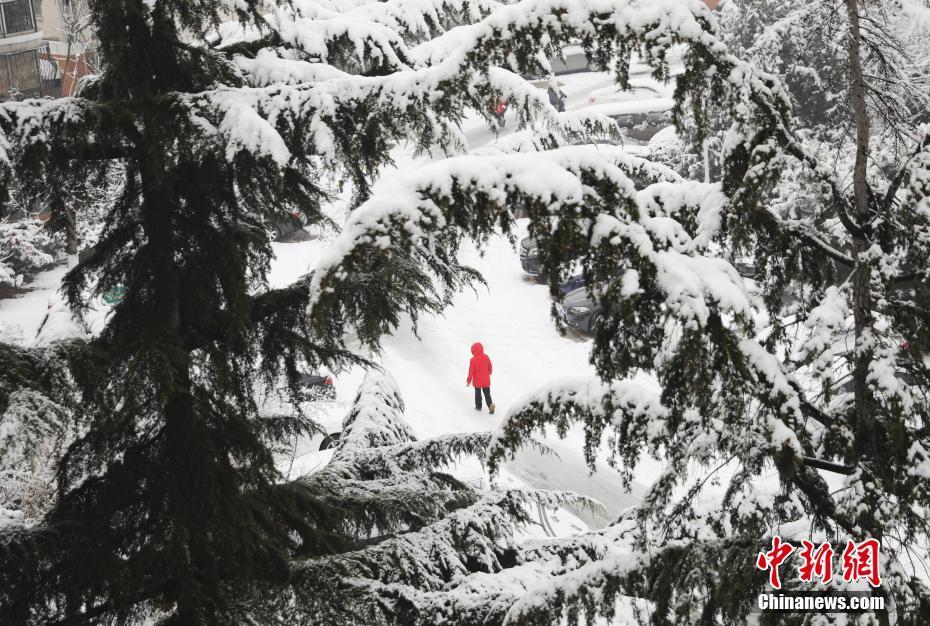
(511, 318)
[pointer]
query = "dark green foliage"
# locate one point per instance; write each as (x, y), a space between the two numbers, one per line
(169, 502)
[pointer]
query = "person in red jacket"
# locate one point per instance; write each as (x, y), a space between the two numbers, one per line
(499, 110)
(479, 375)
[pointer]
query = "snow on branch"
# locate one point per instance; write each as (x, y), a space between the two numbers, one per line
(582, 199)
(376, 416)
(323, 96)
(599, 406)
(30, 130)
(590, 591)
(356, 37)
(413, 19)
(417, 530)
(465, 67)
(430, 558)
(370, 42)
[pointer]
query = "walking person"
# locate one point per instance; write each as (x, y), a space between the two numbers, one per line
(556, 95)
(479, 375)
(499, 110)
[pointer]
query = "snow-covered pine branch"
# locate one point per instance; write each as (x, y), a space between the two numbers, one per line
(404, 529)
(36, 425)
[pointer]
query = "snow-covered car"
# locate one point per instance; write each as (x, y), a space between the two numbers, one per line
(581, 312)
(572, 283)
(330, 439)
(290, 228)
(530, 261)
(613, 93)
(638, 119)
(574, 61)
(316, 394)
(60, 324)
(317, 386)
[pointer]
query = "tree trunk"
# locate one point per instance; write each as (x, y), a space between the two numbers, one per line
(71, 239)
(862, 298)
(64, 72)
(866, 445)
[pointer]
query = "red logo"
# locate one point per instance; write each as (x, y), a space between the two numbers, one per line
(860, 561)
(773, 558)
(818, 563)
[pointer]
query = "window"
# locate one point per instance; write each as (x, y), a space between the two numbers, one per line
(17, 17)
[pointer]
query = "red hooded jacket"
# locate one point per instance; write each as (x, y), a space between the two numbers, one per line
(479, 368)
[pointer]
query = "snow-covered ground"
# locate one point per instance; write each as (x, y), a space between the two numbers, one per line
(511, 317)
(21, 317)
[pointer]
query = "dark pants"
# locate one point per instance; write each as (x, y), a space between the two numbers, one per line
(487, 396)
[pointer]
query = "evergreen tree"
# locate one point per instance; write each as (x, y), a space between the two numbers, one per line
(815, 372)
(168, 504)
(416, 529)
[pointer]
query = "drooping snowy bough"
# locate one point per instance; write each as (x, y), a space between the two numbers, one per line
(406, 528)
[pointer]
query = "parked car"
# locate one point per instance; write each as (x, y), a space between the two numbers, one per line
(290, 228)
(330, 440)
(574, 61)
(579, 311)
(529, 257)
(574, 282)
(638, 120)
(317, 386)
(613, 93)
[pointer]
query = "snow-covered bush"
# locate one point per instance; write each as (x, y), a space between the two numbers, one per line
(35, 428)
(668, 148)
(25, 247)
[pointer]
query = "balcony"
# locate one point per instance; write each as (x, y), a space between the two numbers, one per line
(27, 70)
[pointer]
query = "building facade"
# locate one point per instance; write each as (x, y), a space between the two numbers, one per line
(72, 59)
(36, 57)
(26, 68)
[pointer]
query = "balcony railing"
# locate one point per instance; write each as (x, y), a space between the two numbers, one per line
(17, 17)
(28, 74)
